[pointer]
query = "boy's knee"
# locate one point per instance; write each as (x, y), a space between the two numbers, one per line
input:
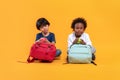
(58, 52)
(93, 50)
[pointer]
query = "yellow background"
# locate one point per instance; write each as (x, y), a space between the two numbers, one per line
(18, 32)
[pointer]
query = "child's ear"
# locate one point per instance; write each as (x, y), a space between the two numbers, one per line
(40, 28)
(84, 29)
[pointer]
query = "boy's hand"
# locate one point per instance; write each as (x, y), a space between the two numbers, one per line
(42, 40)
(47, 41)
(82, 42)
(75, 41)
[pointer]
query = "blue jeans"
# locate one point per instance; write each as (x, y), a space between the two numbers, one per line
(58, 52)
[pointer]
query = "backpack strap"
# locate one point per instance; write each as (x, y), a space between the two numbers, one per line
(93, 63)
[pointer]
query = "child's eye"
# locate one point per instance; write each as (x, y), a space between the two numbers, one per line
(81, 28)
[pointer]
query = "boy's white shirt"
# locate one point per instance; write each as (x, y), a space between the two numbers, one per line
(84, 37)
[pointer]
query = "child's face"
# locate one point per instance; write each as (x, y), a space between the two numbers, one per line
(44, 29)
(79, 29)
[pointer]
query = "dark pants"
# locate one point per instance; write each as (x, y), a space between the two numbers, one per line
(58, 52)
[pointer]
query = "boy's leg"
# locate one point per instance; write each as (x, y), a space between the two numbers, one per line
(93, 50)
(93, 57)
(30, 59)
(67, 57)
(58, 52)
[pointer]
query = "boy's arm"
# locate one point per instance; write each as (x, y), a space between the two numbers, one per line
(70, 42)
(53, 39)
(50, 42)
(88, 41)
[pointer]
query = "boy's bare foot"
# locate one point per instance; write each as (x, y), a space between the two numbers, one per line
(30, 59)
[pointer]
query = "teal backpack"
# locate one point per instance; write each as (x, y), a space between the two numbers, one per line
(80, 54)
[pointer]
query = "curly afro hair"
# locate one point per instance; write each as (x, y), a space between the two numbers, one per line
(79, 20)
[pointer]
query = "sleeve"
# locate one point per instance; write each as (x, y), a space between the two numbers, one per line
(88, 41)
(37, 37)
(69, 42)
(53, 38)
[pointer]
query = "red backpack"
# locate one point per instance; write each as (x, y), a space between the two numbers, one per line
(43, 51)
